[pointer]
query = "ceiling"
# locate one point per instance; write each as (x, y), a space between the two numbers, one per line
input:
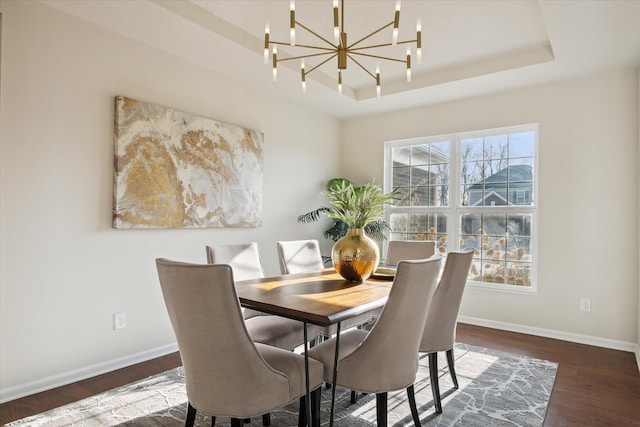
(469, 47)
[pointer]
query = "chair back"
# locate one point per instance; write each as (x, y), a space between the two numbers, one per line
(243, 258)
(399, 250)
(440, 328)
(224, 372)
(387, 358)
(298, 256)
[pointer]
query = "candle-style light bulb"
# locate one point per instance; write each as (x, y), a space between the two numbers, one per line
(408, 64)
(396, 22)
(292, 24)
(419, 42)
(336, 28)
(266, 43)
(304, 80)
(378, 81)
(340, 82)
(275, 64)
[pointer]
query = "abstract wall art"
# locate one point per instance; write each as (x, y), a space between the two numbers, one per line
(176, 170)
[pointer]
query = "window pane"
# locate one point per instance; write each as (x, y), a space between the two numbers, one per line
(401, 156)
(471, 149)
(400, 177)
(402, 198)
(421, 175)
(518, 273)
(420, 226)
(495, 147)
(420, 154)
(521, 144)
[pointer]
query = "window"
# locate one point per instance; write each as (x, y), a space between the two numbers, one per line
(472, 190)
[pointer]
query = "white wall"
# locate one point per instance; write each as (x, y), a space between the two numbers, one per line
(588, 197)
(64, 270)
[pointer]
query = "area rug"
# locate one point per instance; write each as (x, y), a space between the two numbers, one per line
(496, 389)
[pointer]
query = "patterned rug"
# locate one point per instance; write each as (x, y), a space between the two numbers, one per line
(496, 389)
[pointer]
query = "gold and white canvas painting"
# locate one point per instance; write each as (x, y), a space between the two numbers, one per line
(175, 170)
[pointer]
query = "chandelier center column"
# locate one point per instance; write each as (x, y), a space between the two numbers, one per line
(342, 52)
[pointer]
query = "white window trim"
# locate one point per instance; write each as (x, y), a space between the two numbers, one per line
(454, 209)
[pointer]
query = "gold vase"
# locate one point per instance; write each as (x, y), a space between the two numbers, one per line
(355, 256)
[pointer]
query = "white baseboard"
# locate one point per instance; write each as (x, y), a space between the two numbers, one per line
(638, 356)
(16, 392)
(550, 333)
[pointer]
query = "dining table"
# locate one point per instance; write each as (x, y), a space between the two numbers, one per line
(320, 297)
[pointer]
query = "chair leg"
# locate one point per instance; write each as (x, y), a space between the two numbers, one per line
(381, 409)
(316, 398)
(266, 420)
(412, 404)
(452, 369)
(354, 396)
(236, 422)
(435, 387)
(247, 420)
(315, 409)
(213, 421)
(302, 412)
(191, 416)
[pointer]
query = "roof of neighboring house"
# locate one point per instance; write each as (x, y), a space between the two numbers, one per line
(517, 176)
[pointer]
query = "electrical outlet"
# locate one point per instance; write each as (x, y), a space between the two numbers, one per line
(119, 320)
(585, 304)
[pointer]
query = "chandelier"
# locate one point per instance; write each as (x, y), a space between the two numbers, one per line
(339, 48)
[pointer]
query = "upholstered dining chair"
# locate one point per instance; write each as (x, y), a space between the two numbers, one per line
(299, 256)
(226, 373)
(385, 358)
(398, 250)
(244, 259)
(440, 328)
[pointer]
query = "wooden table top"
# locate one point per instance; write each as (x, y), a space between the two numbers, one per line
(320, 297)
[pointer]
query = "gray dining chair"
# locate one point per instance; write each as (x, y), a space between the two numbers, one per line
(226, 373)
(385, 358)
(440, 328)
(398, 250)
(244, 259)
(299, 256)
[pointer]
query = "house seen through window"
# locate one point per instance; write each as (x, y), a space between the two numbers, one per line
(473, 190)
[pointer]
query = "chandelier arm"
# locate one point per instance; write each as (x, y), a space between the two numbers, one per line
(322, 63)
(369, 35)
(309, 56)
(333, 49)
(404, 61)
(382, 45)
(362, 66)
(407, 41)
(317, 35)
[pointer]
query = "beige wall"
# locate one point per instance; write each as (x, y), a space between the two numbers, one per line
(588, 197)
(64, 270)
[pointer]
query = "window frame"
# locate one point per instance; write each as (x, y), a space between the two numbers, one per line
(455, 210)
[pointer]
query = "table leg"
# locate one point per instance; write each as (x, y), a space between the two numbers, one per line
(306, 376)
(335, 374)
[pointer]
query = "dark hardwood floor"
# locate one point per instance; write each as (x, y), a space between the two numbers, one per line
(594, 386)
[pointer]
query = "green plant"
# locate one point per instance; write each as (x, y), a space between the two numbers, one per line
(352, 207)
